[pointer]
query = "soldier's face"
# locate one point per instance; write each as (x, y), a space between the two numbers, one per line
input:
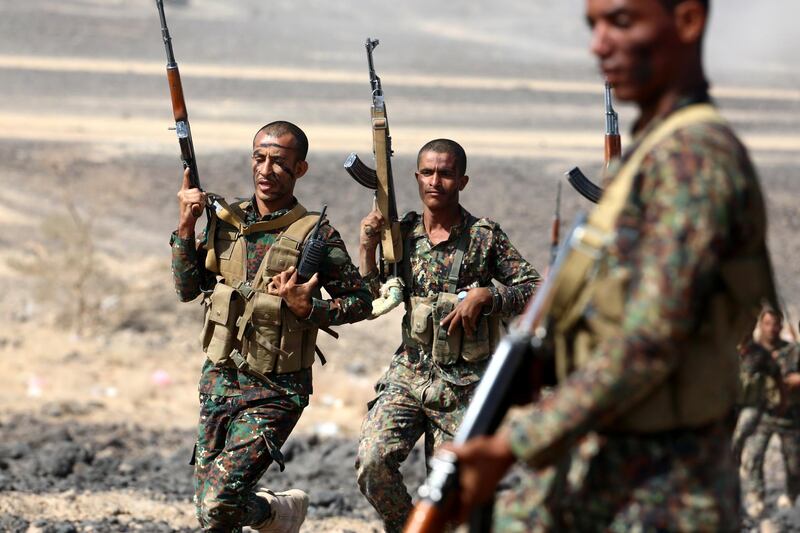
(636, 44)
(275, 168)
(439, 181)
(770, 327)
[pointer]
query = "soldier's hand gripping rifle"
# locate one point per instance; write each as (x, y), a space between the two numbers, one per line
(380, 180)
(613, 149)
(181, 116)
(514, 375)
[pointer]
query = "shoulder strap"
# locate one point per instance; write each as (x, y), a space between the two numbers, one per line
(458, 257)
(282, 221)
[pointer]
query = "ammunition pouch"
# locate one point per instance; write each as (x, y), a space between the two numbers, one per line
(446, 347)
(273, 338)
(223, 309)
(424, 331)
(420, 325)
(263, 335)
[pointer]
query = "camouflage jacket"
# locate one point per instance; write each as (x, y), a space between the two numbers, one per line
(489, 256)
(350, 302)
(759, 373)
(691, 206)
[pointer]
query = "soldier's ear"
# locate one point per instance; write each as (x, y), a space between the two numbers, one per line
(464, 181)
(300, 168)
(690, 21)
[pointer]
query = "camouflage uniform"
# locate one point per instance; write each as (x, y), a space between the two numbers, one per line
(695, 202)
(244, 421)
(783, 420)
(759, 375)
(417, 396)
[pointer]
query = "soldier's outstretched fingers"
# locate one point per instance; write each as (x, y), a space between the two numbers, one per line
(191, 199)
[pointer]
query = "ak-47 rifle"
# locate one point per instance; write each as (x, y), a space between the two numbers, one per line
(179, 112)
(613, 149)
(517, 359)
(380, 180)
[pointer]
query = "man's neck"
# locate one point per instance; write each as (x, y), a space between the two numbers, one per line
(668, 100)
(267, 208)
(438, 223)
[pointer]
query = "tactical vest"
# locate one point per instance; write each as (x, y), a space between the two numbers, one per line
(588, 308)
(244, 324)
(424, 314)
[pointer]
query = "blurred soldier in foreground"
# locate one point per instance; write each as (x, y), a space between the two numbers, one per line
(451, 325)
(776, 416)
(260, 330)
(677, 268)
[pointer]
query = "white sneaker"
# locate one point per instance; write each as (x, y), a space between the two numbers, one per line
(784, 502)
(287, 511)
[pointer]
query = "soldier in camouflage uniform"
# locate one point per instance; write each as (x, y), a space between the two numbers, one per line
(673, 269)
(761, 380)
(779, 416)
(257, 378)
(450, 259)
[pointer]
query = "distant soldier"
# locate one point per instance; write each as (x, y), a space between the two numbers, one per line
(779, 413)
(260, 330)
(667, 277)
(453, 311)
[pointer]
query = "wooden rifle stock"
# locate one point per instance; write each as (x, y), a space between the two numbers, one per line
(426, 517)
(179, 112)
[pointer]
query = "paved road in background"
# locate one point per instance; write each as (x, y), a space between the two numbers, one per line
(510, 78)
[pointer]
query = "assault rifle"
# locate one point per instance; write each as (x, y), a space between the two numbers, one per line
(518, 359)
(613, 149)
(179, 112)
(312, 251)
(380, 180)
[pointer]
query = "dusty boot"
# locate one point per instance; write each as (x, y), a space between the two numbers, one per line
(753, 505)
(287, 511)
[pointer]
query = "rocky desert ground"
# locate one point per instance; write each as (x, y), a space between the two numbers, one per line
(98, 360)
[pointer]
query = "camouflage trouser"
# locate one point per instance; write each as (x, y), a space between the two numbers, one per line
(674, 482)
(404, 410)
(236, 442)
(755, 450)
(746, 424)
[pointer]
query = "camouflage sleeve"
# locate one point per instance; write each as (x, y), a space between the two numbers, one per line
(373, 283)
(186, 276)
(672, 262)
(351, 300)
(519, 279)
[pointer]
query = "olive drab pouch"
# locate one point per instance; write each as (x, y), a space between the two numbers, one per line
(223, 309)
(479, 346)
(446, 347)
(263, 332)
(298, 341)
(421, 321)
